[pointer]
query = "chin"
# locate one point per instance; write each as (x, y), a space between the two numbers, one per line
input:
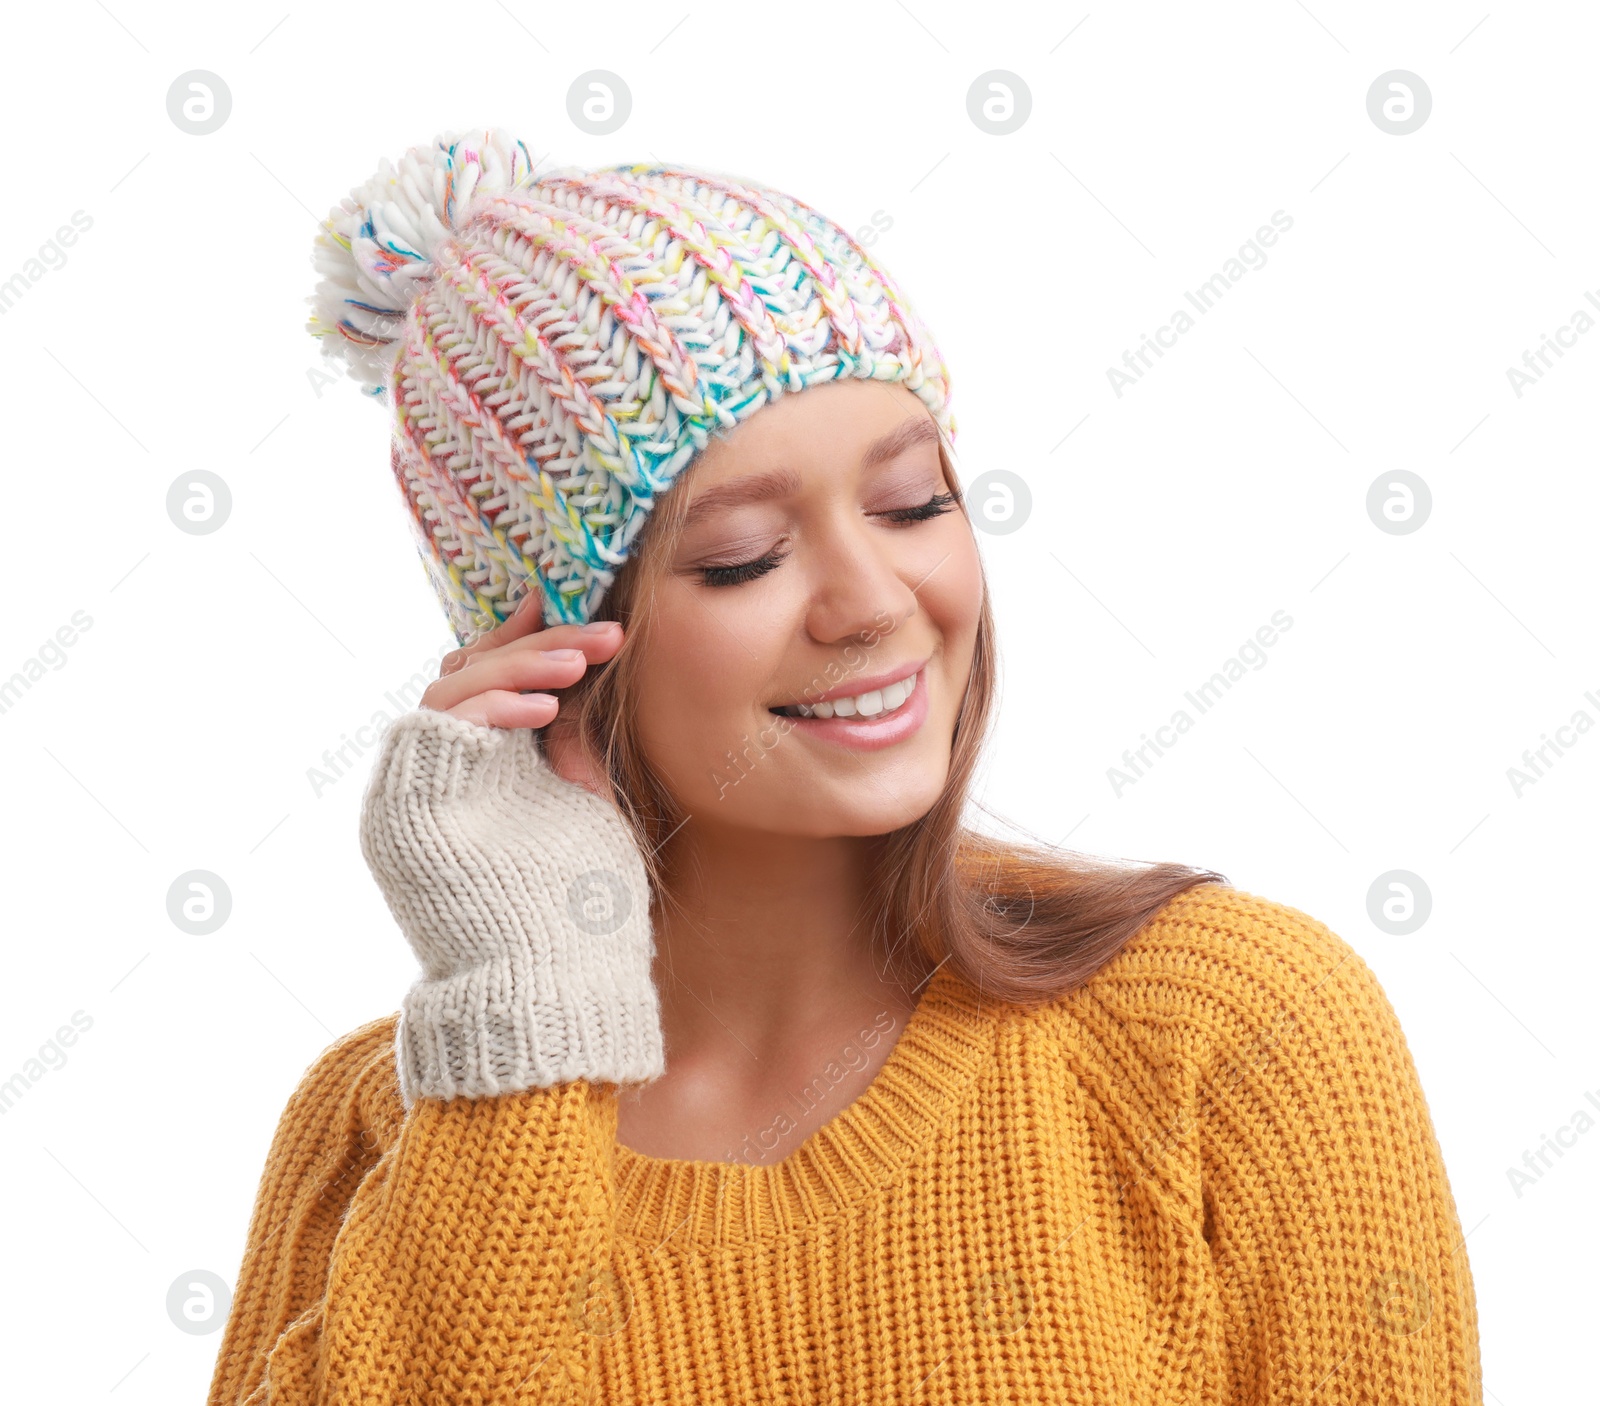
(778, 784)
(859, 805)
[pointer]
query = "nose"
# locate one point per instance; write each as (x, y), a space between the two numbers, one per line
(861, 585)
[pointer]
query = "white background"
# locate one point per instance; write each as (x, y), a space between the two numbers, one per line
(1167, 525)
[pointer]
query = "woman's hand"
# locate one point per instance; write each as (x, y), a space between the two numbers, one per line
(516, 880)
(488, 681)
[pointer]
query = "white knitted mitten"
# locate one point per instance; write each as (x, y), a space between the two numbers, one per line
(525, 899)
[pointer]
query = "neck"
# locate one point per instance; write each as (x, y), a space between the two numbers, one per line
(767, 938)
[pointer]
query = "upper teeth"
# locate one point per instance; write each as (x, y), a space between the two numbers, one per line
(862, 705)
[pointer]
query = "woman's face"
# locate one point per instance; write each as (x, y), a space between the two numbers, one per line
(815, 562)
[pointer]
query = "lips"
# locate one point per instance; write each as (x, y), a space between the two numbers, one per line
(860, 733)
(898, 682)
(872, 703)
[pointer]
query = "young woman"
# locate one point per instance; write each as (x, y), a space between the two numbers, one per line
(739, 1069)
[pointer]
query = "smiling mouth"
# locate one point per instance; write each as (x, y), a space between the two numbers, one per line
(876, 703)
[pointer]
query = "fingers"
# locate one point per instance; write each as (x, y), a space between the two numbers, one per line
(599, 641)
(522, 621)
(501, 708)
(519, 670)
(525, 659)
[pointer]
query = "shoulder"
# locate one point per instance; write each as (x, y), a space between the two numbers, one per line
(1217, 968)
(1222, 937)
(352, 1086)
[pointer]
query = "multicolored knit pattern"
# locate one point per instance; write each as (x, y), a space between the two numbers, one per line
(557, 348)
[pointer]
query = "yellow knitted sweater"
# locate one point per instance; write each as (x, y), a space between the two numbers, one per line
(1207, 1176)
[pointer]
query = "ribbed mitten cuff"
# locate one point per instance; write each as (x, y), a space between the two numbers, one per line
(525, 899)
(479, 1032)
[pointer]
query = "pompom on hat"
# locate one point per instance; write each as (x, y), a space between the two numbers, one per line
(557, 347)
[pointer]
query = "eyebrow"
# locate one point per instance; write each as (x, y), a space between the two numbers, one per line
(779, 483)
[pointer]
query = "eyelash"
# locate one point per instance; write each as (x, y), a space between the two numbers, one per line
(743, 571)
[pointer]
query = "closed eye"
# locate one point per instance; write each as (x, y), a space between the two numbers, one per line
(735, 573)
(741, 571)
(939, 503)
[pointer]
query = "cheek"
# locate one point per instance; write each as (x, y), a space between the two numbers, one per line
(708, 671)
(953, 597)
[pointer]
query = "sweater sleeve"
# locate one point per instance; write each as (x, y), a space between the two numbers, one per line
(473, 1262)
(333, 1129)
(454, 1253)
(1337, 1255)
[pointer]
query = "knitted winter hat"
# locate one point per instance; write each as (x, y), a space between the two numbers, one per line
(557, 348)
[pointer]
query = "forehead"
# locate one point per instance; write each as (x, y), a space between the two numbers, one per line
(872, 431)
(846, 420)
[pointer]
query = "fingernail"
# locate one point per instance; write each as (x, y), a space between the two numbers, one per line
(597, 627)
(562, 654)
(522, 604)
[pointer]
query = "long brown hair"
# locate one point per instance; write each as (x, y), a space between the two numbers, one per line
(1022, 922)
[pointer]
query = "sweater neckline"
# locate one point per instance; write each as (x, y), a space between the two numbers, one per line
(864, 1146)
